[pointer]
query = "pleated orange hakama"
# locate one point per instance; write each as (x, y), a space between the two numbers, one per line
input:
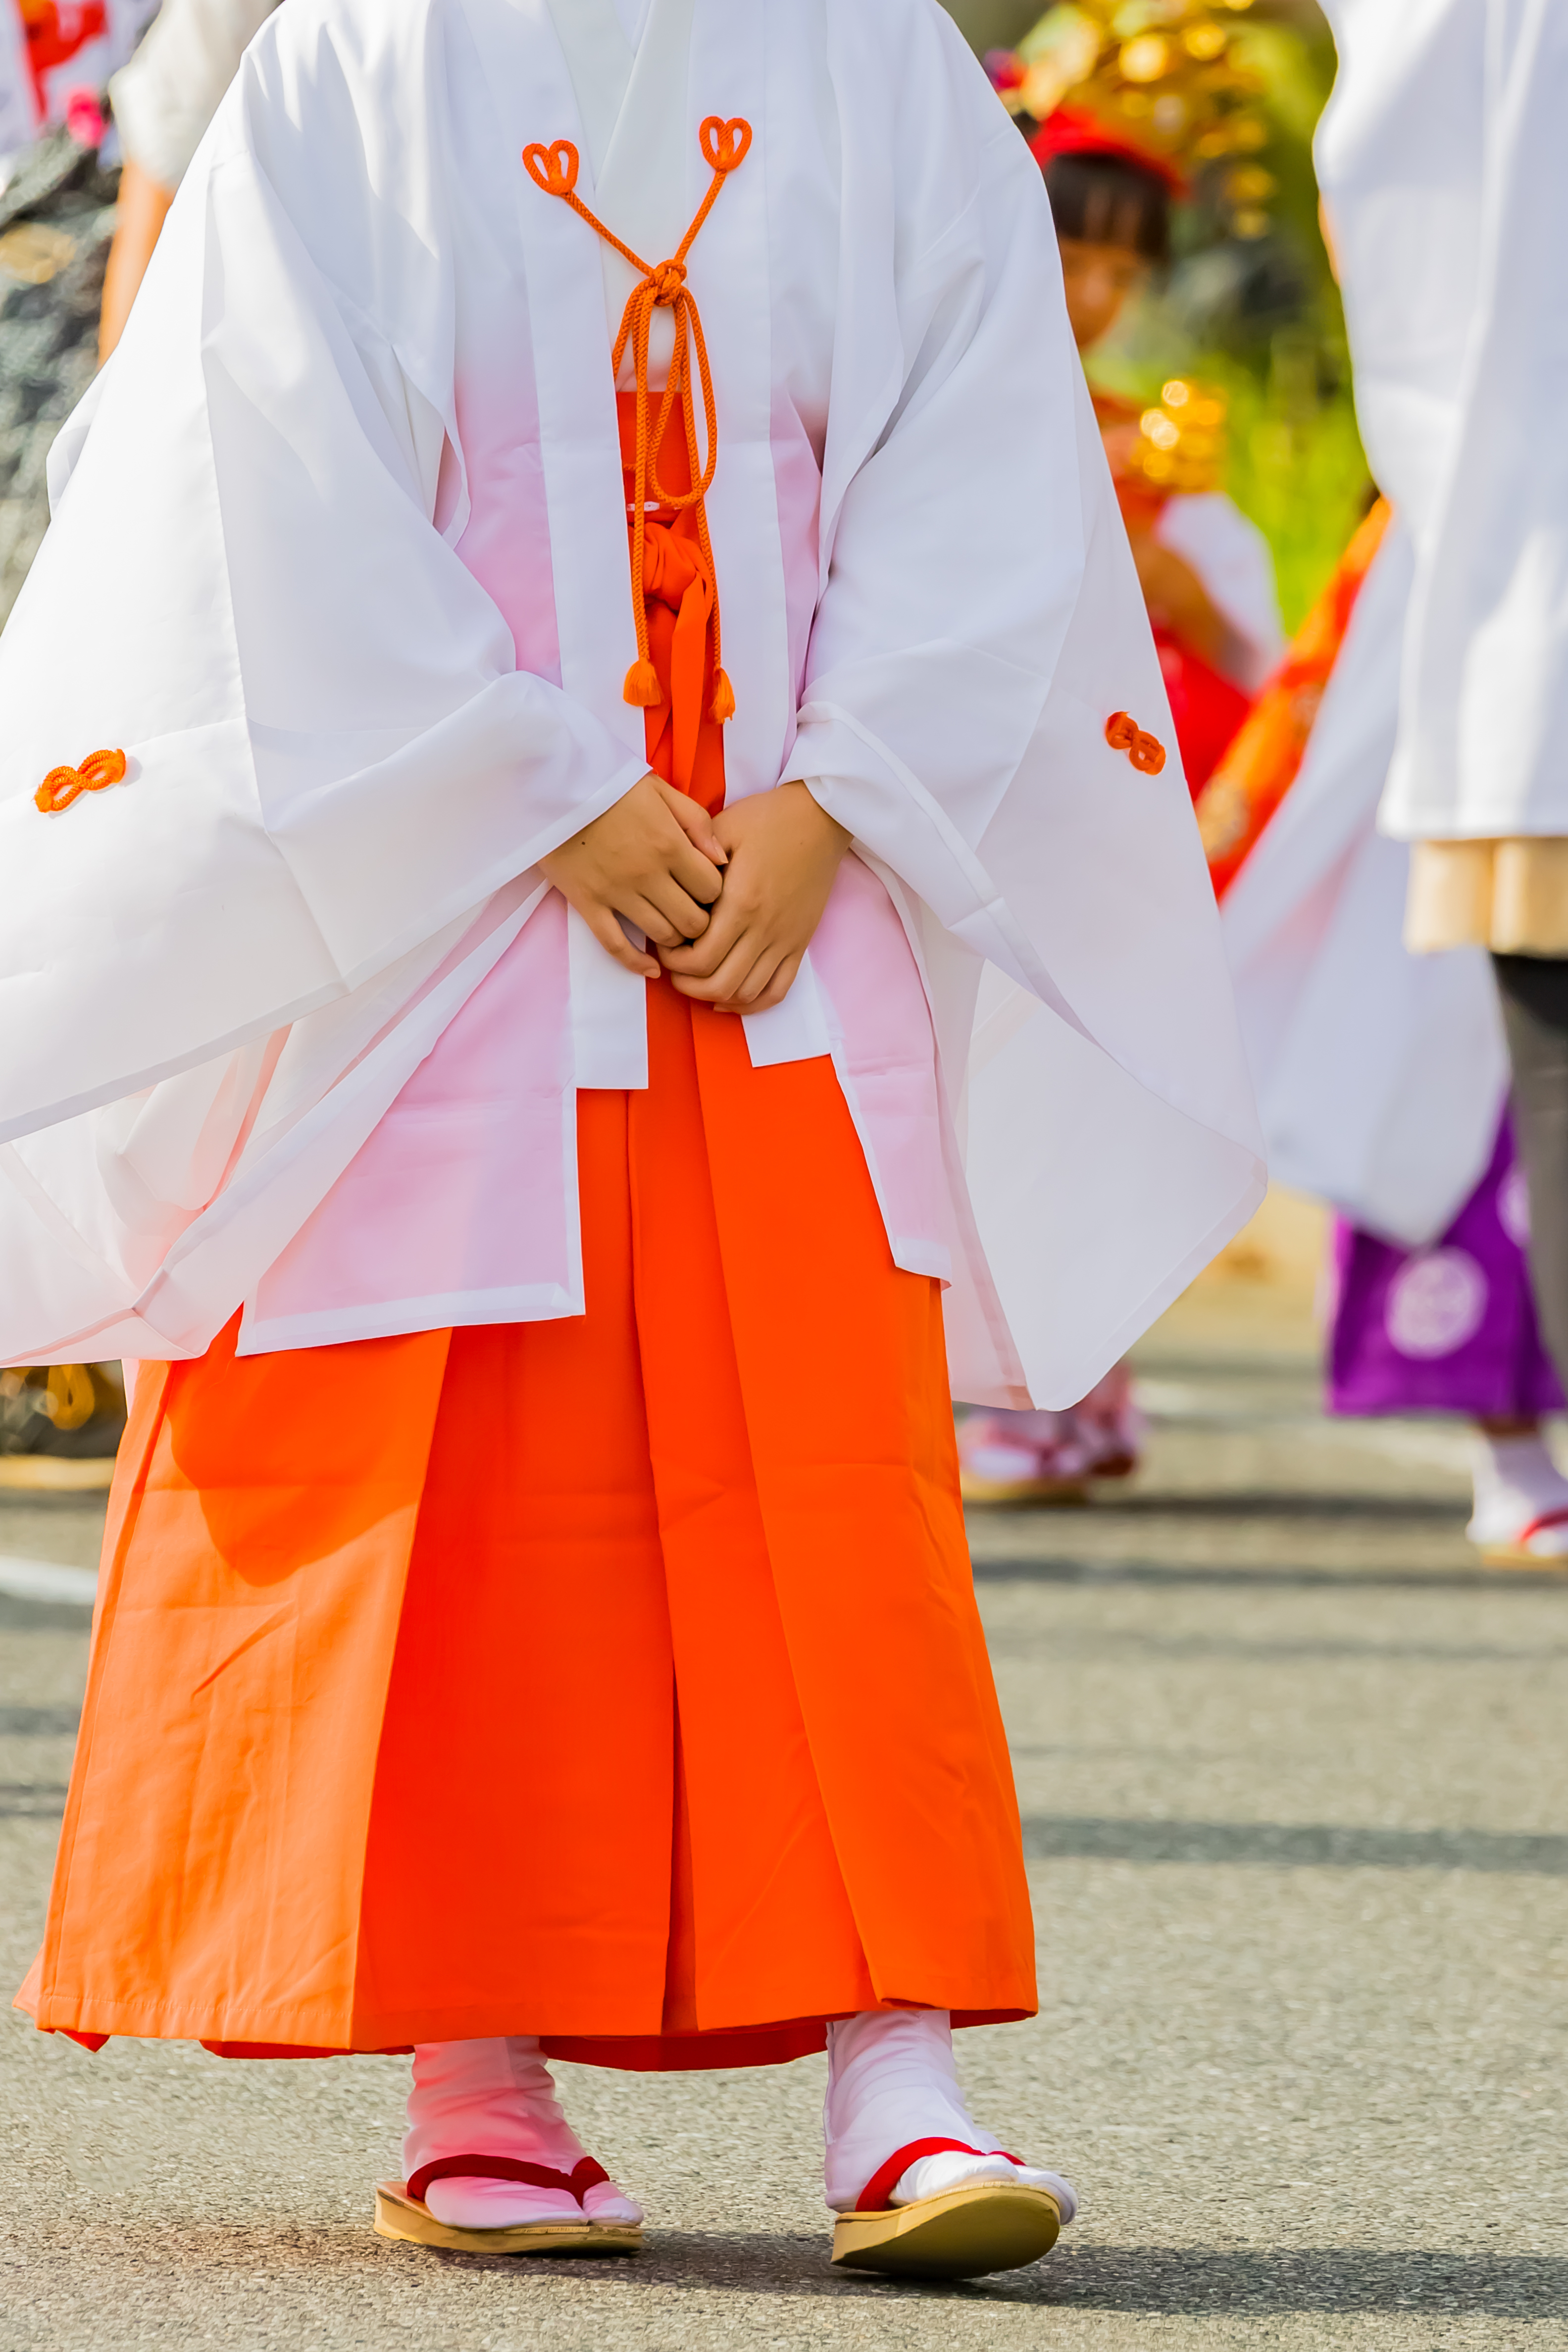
(615, 1679)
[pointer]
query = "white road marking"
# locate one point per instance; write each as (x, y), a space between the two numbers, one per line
(1442, 1444)
(45, 1579)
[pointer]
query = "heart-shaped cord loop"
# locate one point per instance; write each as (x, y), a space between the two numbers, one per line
(553, 168)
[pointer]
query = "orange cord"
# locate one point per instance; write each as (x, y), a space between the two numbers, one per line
(662, 286)
(63, 785)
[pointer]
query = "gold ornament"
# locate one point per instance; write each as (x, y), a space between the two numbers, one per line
(1160, 75)
(1181, 443)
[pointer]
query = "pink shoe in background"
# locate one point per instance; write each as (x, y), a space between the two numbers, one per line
(1109, 1425)
(1022, 1458)
(1051, 1457)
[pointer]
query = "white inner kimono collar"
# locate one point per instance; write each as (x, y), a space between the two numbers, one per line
(629, 63)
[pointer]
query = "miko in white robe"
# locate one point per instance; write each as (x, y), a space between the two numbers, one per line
(360, 442)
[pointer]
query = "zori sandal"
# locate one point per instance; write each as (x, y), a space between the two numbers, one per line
(401, 2211)
(965, 2231)
(1521, 1550)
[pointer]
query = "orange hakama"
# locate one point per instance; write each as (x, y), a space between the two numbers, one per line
(616, 1679)
(1262, 762)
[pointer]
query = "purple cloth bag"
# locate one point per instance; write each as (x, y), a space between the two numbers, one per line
(1447, 1328)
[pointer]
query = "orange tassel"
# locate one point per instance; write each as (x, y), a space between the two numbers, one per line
(642, 688)
(723, 706)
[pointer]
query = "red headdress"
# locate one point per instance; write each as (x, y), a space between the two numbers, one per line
(1074, 130)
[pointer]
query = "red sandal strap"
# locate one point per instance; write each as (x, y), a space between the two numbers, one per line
(583, 2177)
(1538, 1527)
(873, 2198)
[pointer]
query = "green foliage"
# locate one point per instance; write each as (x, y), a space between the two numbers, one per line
(1296, 467)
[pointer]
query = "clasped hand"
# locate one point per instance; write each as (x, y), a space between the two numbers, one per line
(728, 903)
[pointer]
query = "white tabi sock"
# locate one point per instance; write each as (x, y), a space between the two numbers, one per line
(495, 2098)
(891, 2080)
(1516, 1482)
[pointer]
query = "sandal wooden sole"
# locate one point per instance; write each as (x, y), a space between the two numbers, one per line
(981, 2226)
(1025, 1491)
(57, 1474)
(398, 2215)
(1516, 1555)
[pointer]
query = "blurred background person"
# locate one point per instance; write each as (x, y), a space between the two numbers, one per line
(56, 56)
(1381, 1076)
(1445, 180)
(162, 101)
(58, 186)
(1383, 1073)
(1115, 159)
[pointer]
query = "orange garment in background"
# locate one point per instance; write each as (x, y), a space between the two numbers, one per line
(616, 1679)
(1261, 764)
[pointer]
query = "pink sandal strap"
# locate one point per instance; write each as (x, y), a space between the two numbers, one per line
(873, 2198)
(583, 2176)
(1538, 1527)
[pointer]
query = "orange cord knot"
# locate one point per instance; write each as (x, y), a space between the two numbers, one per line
(63, 785)
(1146, 752)
(661, 285)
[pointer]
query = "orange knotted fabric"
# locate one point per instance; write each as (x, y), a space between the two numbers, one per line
(662, 286)
(63, 785)
(1146, 752)
(684, 743)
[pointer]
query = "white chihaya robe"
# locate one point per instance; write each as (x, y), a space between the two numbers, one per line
(1381, 1075)
(1441, 153)
(340, 560)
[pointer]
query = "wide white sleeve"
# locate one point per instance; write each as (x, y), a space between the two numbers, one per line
(332, 753)
(979, 623)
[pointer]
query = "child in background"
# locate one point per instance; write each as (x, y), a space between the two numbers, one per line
(1208, 579)
(1206, 573)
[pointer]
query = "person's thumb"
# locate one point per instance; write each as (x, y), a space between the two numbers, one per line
(694, 822)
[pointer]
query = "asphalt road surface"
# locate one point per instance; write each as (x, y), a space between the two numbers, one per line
(1292, 1770)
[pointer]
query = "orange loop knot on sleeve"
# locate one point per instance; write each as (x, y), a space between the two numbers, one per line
(661, 285)
(1145, 751)
(63, 785)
